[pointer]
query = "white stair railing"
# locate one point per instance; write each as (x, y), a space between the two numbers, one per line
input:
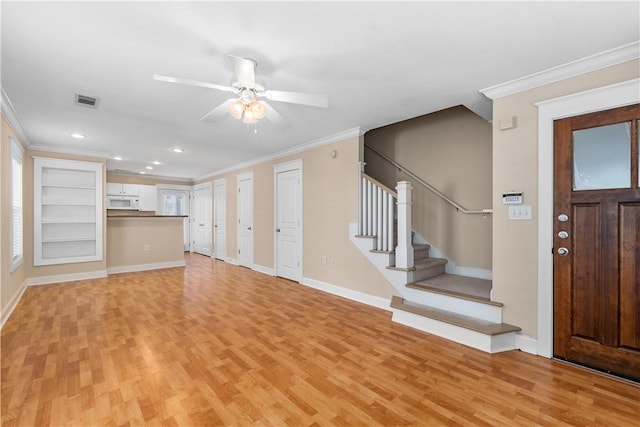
(377, 212)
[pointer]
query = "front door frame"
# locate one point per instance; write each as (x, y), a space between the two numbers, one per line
(604, 98)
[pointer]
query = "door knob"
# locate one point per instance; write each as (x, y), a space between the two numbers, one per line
(248, 228)
(563, 251)
(277, 230)
(563, 234)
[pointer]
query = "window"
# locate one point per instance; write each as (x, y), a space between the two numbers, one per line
(16, 232)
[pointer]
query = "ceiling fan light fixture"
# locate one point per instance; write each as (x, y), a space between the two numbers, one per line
(249, 118)
(258, 108)
(236, 108)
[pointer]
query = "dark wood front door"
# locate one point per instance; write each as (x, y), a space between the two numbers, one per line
(597, 240)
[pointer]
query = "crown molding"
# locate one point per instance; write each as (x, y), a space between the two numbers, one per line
(13, 119)
(336, 137)
(600, 60)
(67, 150)
(148, 176)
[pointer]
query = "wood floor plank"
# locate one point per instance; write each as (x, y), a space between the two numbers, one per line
(216, 344)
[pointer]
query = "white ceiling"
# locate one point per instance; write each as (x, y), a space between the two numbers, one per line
(378, 63)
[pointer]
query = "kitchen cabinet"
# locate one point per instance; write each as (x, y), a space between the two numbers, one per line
(68, 211)
(116, 189)
(148, 200)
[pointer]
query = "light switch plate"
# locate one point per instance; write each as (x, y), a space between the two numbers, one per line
(520, 213)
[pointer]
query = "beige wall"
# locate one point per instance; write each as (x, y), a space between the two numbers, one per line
(127, 237)
(515, 243)
(452, 151)
(11, 281)
(330, 190)
(54, 270)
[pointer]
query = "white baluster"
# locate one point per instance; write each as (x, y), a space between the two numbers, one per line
(374, 215)
(391, 204)
(379, 219)
(404, 250)
(385, 229)
(369, 208)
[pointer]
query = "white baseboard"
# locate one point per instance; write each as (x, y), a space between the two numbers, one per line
(264, 270)
(232, 261)
(527, 344)
(71, 277)
(357, 296)
(145, 267)
(6, 313)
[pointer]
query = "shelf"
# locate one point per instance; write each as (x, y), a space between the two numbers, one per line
(73, 187)
(68, 204)
(68, 221)
(69, 239)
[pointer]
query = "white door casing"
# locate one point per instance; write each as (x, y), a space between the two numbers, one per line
(288, 220)
(201, 219)
(245, 219)
(220, 218)
(603, 98)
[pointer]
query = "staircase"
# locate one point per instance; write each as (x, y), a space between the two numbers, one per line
(454, 307)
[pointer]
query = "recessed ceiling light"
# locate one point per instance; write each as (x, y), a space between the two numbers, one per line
(142, 172)
(156, 163)
(178, 150)
(77, 135)
(149, 167)
(117, 158)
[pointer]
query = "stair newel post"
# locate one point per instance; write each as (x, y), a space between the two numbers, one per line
(404, 250)
(361, 201)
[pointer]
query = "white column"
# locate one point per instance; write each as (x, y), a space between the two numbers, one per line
(404, 250)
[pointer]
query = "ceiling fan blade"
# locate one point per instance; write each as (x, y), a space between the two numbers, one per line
(217, 113)
(311, 99)
(274, 117)
(245, 70)
(194, 83)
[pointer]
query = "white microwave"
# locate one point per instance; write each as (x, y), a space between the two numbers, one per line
(123, 202)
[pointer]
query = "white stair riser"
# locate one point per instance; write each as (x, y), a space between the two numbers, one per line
(468, 337)
(490, 313)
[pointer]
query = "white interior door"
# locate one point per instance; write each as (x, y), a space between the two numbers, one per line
(201, 220)
(220, 218)
(288, 237)
(245, 219)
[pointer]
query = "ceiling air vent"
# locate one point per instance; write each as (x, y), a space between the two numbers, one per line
(87, 101)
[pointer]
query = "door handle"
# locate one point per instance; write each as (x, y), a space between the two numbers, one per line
(201, 225)
(277, 230)
(248, 228)
(215, 226)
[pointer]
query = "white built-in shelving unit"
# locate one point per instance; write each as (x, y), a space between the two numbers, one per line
(68, 211)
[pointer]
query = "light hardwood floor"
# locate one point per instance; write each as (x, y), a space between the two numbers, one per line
(215, 344)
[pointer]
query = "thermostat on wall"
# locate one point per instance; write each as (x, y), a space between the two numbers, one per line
(513, 198)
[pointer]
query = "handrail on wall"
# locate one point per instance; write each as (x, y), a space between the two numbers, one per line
(430, 187)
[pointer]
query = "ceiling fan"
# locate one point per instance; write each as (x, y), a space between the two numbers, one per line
(247, 105)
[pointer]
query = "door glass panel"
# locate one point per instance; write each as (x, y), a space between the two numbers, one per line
(602, 157)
